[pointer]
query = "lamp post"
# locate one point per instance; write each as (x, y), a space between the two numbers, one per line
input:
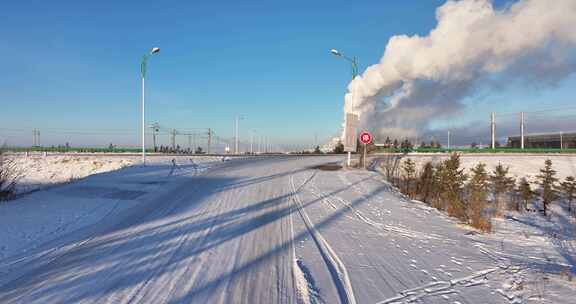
(143, 72)
(354, 62)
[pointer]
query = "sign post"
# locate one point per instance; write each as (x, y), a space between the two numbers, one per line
(350, 135)
(365, 139)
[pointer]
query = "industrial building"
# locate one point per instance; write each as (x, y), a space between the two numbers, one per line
(557, 140)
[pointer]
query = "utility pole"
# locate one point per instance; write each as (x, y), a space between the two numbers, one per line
(252, 142)
(34, 138)
(209, 139)
(190, 143)
(236, 135)
(561, 140)
(260, 144)
(155, 128)
(493, 129)
(522, 130)
(173, 139)
(448, 139)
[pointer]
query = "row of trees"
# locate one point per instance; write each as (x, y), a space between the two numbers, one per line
(178, 150)
(476, 197)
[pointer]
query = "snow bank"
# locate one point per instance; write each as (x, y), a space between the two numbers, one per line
(41, 171)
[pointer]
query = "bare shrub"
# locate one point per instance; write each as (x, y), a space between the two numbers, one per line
(437, 187)
(9, 176)
(390, 163)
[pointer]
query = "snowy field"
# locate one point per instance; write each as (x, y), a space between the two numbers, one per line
(520, 165)
(62, 193)
(40, 171)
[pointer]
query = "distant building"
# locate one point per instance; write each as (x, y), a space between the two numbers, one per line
(548, 140)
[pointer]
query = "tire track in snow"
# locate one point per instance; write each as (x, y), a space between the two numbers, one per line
(381, 226)
(336, 267)
(300, 283)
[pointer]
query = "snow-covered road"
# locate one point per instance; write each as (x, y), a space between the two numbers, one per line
(268, 230)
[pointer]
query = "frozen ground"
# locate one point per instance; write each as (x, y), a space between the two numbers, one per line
(275, 230)
(520, 165)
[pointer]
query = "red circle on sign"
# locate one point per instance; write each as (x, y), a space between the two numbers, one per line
(365, 137)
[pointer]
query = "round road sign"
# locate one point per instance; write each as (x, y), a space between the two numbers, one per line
(365, 137)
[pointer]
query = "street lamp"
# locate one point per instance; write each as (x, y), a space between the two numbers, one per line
(354, 62)
(143, 73)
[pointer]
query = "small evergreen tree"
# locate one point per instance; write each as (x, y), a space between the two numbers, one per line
(501, 183)
(409, 173)
(525, 193)
(478, 189)
(547, 179)
(406, 146)
(452, 181)
(339, 148)
(426, 183)
(569, 188)
(317, 150)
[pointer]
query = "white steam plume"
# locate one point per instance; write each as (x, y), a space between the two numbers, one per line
(473, 45)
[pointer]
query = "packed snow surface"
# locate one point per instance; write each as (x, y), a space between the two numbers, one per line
(273, 230)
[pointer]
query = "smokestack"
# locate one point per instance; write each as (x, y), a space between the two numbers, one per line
(473, 46)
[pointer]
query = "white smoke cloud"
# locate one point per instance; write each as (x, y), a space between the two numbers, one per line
(419, 79)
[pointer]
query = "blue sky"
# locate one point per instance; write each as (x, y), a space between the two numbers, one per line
(75, 64)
